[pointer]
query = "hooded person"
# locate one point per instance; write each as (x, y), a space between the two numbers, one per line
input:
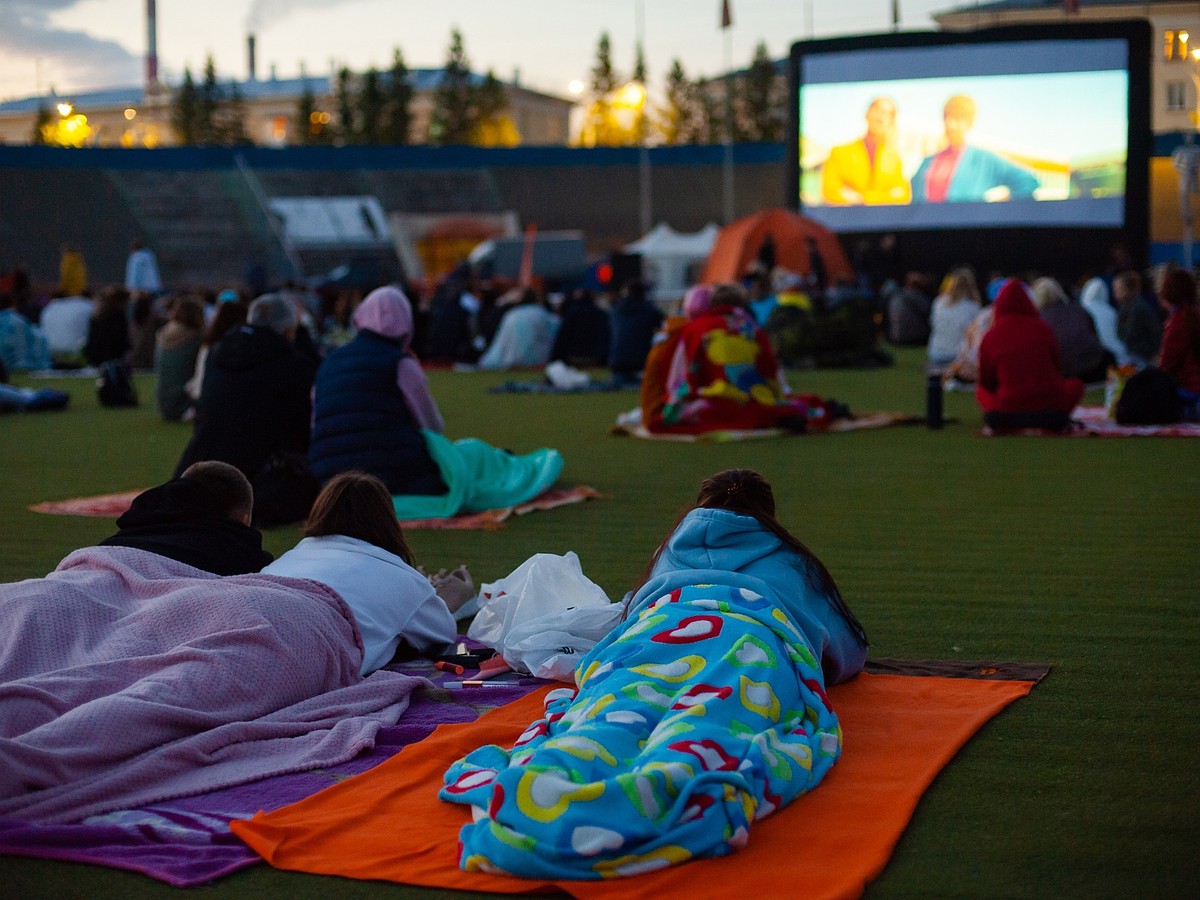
(372, 401)
(716, 677)
(1020, 385)
(201, 519)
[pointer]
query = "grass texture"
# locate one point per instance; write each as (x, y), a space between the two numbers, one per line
(1082, 553)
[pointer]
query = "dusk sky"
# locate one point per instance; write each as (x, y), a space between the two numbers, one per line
(78, 45)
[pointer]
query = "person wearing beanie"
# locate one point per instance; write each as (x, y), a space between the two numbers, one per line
(1019, 382)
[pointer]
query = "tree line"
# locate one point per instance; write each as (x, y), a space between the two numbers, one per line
(376, 106)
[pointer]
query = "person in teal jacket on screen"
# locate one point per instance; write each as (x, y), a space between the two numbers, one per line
(961, 173)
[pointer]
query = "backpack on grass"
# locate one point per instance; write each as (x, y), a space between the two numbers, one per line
(114, 387)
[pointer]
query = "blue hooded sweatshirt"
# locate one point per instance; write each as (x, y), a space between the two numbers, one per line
(716, 546)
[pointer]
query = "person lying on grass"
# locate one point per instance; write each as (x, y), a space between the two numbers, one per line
(353, 544)
(704, 711)
(202, 518)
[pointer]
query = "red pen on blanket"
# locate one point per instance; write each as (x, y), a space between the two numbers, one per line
(449, 667)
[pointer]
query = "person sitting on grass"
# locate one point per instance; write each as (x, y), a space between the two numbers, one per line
(202, 518)
(725, 375)
(702, 712)
(353, 544)
(1020, 385)
(1179, 353)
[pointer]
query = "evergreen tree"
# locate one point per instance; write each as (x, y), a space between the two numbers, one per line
(455, 109)
(494, 127)
(370, 109)
(639, 66)
(679, 119)
(710, 111)
(307, 121)
(347, 131)
(760, 102)
(231, 118)
(604, 76)
(41, 125)
(208, 103)
(185, 112)
(397, 114)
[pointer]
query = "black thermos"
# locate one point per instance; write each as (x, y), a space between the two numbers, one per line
(933, 400)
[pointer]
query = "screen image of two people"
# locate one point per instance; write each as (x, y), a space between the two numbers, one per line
(868, 170)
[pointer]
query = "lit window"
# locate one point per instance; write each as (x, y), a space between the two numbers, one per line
(1175, 45)
(1176, 95)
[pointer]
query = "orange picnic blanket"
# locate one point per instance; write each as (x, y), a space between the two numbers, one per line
(900, 730)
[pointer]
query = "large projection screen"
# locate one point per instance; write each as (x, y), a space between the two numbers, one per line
(981, 136)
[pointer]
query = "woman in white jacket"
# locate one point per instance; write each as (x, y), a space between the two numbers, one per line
(353, 544)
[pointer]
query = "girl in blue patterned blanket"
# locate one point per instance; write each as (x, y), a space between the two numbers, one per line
(704, 711)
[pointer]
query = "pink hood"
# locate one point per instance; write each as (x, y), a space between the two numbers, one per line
(387, 312)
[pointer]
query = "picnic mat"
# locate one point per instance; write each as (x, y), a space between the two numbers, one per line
(111, 506)
(900, 731)
(187, 841)
(857, 423)
(1093, 421)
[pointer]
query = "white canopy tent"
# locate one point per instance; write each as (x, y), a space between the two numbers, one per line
(671, 260)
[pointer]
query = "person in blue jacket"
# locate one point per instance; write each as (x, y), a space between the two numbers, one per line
(960, 172)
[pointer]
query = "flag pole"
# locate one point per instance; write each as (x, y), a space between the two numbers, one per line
(727, 28)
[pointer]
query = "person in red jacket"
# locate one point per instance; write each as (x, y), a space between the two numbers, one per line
(1019, 382)
(1179, 353)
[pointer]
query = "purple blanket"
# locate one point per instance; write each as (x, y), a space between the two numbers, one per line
(128, 679)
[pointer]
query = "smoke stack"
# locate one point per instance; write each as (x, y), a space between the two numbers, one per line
(250, 57)
(151, 44)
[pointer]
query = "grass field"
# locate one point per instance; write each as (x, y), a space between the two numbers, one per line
(1081, 553)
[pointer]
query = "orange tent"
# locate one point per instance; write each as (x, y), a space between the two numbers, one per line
(738, 244)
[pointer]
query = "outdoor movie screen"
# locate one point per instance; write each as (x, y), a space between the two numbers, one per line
(981, 134)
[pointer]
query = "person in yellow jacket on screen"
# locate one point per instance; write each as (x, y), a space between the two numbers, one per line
(867, 171)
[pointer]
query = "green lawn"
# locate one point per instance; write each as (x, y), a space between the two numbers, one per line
(1081, 553)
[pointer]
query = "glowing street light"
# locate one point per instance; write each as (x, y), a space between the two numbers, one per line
(575, 87)
(65, 109)
(130, 114)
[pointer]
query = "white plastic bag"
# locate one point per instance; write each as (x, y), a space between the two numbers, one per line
(544, 598)
(551, 646)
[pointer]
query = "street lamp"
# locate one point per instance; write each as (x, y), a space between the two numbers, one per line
(65, 109)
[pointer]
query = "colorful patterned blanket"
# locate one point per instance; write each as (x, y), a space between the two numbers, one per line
(701, 716)
(631, 426)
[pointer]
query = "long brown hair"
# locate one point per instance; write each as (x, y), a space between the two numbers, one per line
(358, 505)
(746, 492)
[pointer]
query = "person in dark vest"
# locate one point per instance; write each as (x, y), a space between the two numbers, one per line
(254, 403)
(201, 518)
(372, 400)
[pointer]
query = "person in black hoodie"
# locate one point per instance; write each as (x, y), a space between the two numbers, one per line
(201, 519)
(255, 400)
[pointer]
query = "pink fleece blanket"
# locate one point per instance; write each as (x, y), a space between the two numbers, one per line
(127, 678)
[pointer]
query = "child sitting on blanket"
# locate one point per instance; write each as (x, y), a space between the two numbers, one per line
(354, 545)
(701, 713)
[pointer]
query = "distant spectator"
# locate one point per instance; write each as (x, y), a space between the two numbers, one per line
(1081, 353)
(955, 307)
(1139, 325)
(635, 319)
(254, 403)
(175, 350)
(141, 270)
(72, 272)
(108, 330)
(231, 312)
(1020, 382)
(526, 334)
(65, 322)
(585, 333)
(1094, 298)
(1179, 354)
(144, 323)
(22, 344)
(372, 400)
(908, 312)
